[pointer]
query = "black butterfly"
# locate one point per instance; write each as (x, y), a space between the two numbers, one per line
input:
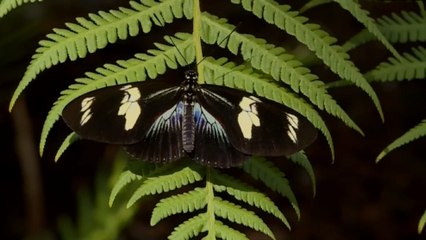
(214, 125)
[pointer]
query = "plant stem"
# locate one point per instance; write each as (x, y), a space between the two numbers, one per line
(197, 40)
(211, 234)
(30, 167)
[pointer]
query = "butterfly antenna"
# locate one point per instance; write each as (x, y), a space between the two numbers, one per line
(223, 40)
(177, 49)
(161, 23)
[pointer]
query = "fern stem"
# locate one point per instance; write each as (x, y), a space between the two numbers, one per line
(197, 40)
(422, 9)
(210, 225)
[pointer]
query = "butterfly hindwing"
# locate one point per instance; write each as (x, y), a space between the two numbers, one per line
(121, 114)
(162, 142)
(255, 125)
(212, 146)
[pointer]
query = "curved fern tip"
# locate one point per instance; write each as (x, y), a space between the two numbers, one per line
(129, 204)
(422, 223)
(11, 104)
(361, 132)
(41, 151)
(381, 156)
(333, 156)
(110, 201)
(382, 116)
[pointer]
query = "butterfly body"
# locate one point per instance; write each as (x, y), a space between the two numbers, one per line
(188, 122)
(215, 126)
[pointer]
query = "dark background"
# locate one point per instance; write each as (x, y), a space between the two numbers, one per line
(356, 198)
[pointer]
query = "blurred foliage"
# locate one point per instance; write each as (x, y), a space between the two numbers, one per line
(95, 219)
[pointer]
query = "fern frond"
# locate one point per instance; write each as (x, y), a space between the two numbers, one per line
(131, 70)
(358, 39)
(7, 5)
(362, 16)
(190, 228)
(397, 28)
(318, 41)
(416, 132)
(275, 62)
(272, 177)
(410, 66)
(72, 137)
(226, 233)
(312, 4)
(95, 219)
(245, 193)
(301, 159)
(167, 181)
(125, 178)
(137, 172)
(403, 27)
(89, 35)
(181, 203)
(422, 223)
(221, 72)
(236, 214)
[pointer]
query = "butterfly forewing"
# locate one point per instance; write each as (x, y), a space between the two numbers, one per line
(255, 125)
(121, 114)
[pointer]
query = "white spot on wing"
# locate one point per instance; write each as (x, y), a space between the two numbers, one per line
(248, 118)
(130, 107)
(86, 110)
(293, 126)
(293, 120)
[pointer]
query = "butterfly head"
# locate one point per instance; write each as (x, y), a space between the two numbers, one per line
(191, 77)
(190, 84)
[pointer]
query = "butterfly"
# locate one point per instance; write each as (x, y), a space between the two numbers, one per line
(214, 125)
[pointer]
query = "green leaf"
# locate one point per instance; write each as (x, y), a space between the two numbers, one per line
(272, 177)
(312, 4)
(301, 159)
(71, 138)
(226, 233)
(181, 203)
(126, 177)
(409, 67)
(190, 228)
(397, 28)
(248, 194)
(88, 35)
(94, 218)
(169, 178)
(236, 214)
(422, 223)
(403, 27)
(362, 16)
(413, 134)
(7, 5)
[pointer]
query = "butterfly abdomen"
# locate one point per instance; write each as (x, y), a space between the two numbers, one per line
(188, 127)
